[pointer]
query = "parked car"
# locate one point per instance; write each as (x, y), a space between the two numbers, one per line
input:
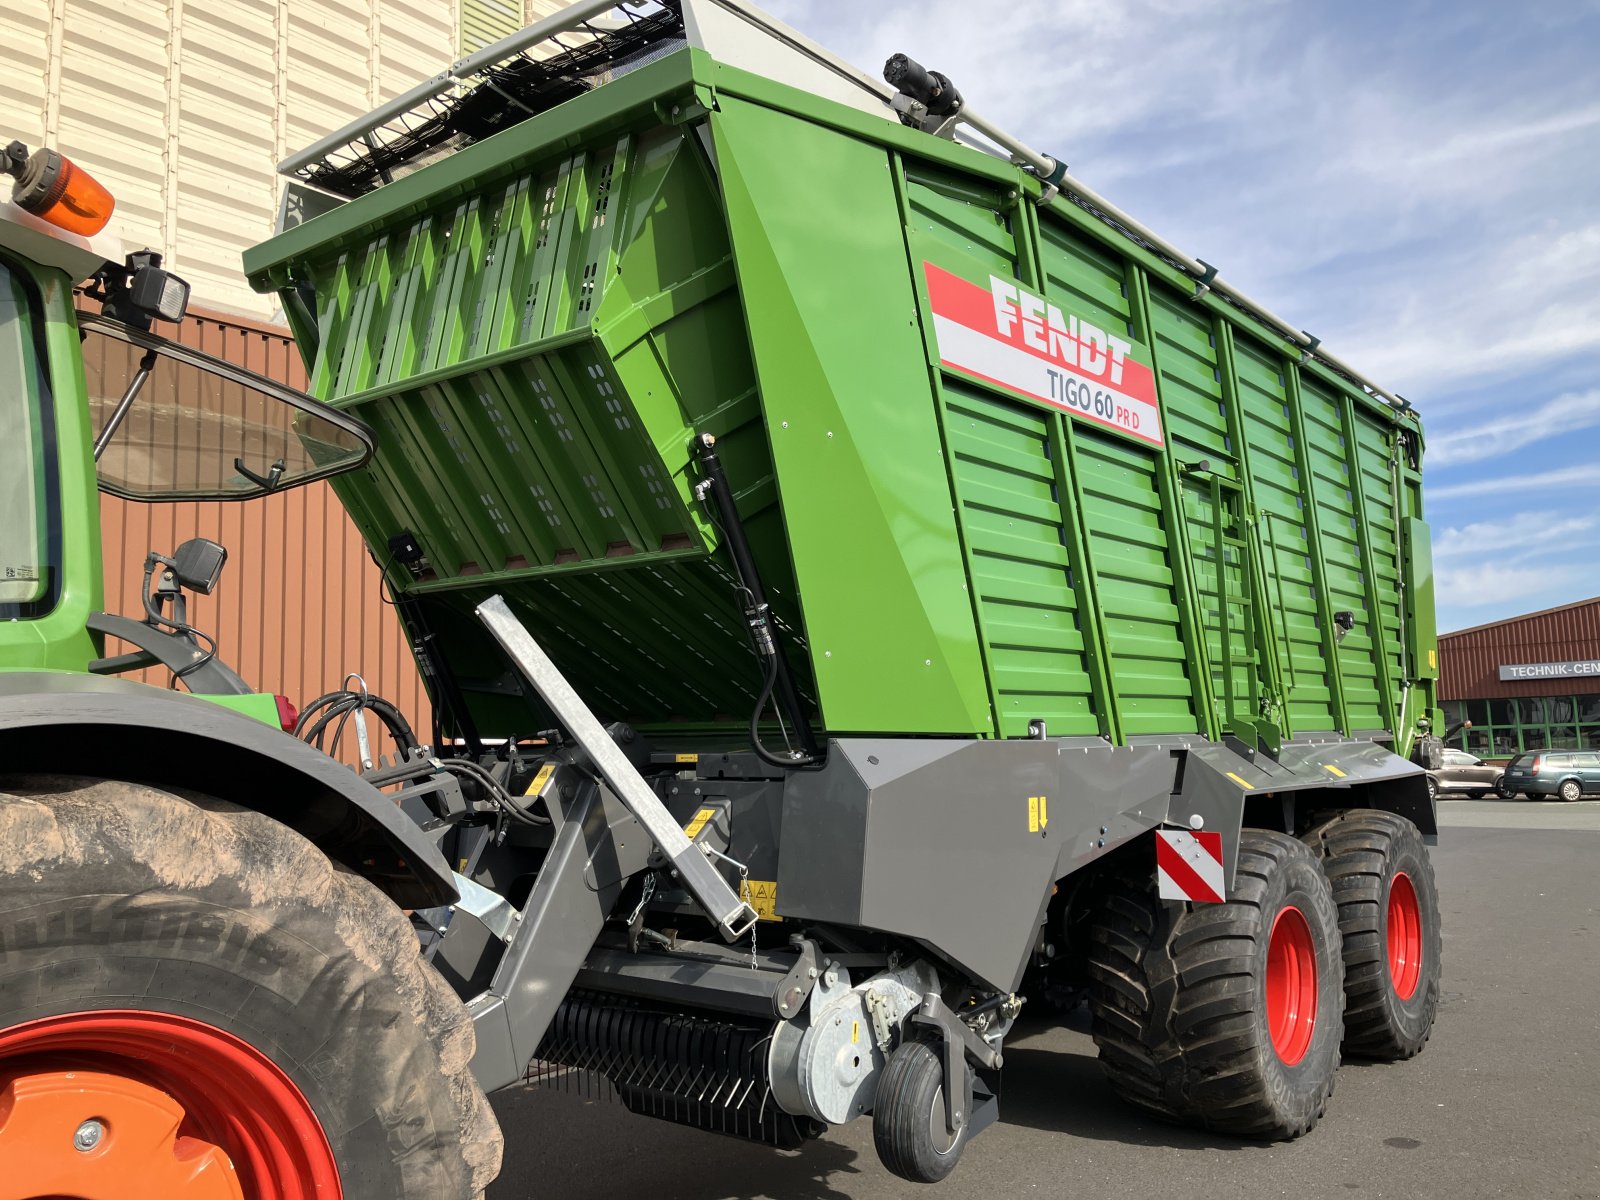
(1569, 774)
(1463, 772)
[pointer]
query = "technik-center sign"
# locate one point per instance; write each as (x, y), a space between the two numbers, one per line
(1553, 670)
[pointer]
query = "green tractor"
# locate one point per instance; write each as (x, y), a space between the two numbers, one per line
(208, 986)
(865, 582)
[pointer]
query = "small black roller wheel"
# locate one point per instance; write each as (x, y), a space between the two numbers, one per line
(1226, 1016)
(1390, 923)
(908, 1119)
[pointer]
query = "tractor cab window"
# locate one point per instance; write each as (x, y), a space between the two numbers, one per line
(172, 423)
(29, 536)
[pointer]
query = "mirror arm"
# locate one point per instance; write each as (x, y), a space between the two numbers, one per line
(120, 413)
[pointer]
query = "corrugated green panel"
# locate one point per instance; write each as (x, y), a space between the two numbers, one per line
(1197, 424)
(1134, 583)
(1001, 454)
(1281, 498)
(957, 224)
(1191, 382)
(1378, 484)
(1341, 549)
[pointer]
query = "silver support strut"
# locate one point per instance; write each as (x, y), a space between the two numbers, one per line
(732, 916)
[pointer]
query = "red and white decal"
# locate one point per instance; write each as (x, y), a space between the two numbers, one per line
(1005, 335)
(1189, 866)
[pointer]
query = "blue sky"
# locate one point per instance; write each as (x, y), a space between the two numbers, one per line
(1418, 184)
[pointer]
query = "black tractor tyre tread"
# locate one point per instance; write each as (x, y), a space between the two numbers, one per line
(907, 1091)
(1172, 994)
(392, 1065)
(1360, 849)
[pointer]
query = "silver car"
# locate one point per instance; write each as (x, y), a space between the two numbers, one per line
(1463, 772)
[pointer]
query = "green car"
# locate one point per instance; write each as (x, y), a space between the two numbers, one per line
(1569, 774)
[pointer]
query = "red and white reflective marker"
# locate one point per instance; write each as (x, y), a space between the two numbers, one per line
(1189, 866)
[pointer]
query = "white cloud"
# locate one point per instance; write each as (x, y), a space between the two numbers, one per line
(1581, 475)
(1561, 417)
(1504, 535)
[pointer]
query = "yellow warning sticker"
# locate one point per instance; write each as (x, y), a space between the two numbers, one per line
(1244, 783)
(693, 828)
(1038, 813)
(1433, 660)
(762, 895)
(536, 788)
(1333, 770)
(688, 758)
(855, 1033)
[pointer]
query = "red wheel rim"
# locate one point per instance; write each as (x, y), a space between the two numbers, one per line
(169, 1107)
(1405, 937)
(1291, 985)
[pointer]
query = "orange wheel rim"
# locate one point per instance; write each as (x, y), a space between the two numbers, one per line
(143, 1105)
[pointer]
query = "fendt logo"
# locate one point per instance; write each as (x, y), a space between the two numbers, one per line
(1071, 342)
(1006, 335)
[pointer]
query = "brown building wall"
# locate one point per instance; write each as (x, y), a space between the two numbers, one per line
(1469, 661)
(298, 606)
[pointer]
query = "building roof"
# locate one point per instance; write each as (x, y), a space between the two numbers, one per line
(1470, 659)
(1543, 612)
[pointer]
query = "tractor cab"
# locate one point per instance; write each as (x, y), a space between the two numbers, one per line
(91, 397)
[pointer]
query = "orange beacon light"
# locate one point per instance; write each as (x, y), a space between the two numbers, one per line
(53, 188)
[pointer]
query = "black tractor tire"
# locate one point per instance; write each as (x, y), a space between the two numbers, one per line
(1179, 995)
(908, 1117)
(1384, 925)
(116, 896)
(1570, 790)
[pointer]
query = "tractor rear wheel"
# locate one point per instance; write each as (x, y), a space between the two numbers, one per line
(1225, 1016)
(1390, 923)
(197, 1004)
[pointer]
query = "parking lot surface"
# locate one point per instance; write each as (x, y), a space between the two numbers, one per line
(1505, 1101)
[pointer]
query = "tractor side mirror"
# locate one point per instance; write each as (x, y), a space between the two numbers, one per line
(197, 564)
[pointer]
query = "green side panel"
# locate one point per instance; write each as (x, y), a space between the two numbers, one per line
(1120, 511)
(1121, 505)
(1422, 629)
(833, 319)
(1376, 472)
(1280, 498)
(1002, 454)
(1339, 517)
(1196, 409)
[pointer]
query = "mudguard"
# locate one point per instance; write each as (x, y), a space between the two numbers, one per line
(69, 724)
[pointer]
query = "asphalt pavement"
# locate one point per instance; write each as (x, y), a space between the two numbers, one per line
(1505, 1100)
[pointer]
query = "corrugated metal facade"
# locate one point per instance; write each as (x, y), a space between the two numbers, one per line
(1470, 660)
(184, 107)
(299, 603)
